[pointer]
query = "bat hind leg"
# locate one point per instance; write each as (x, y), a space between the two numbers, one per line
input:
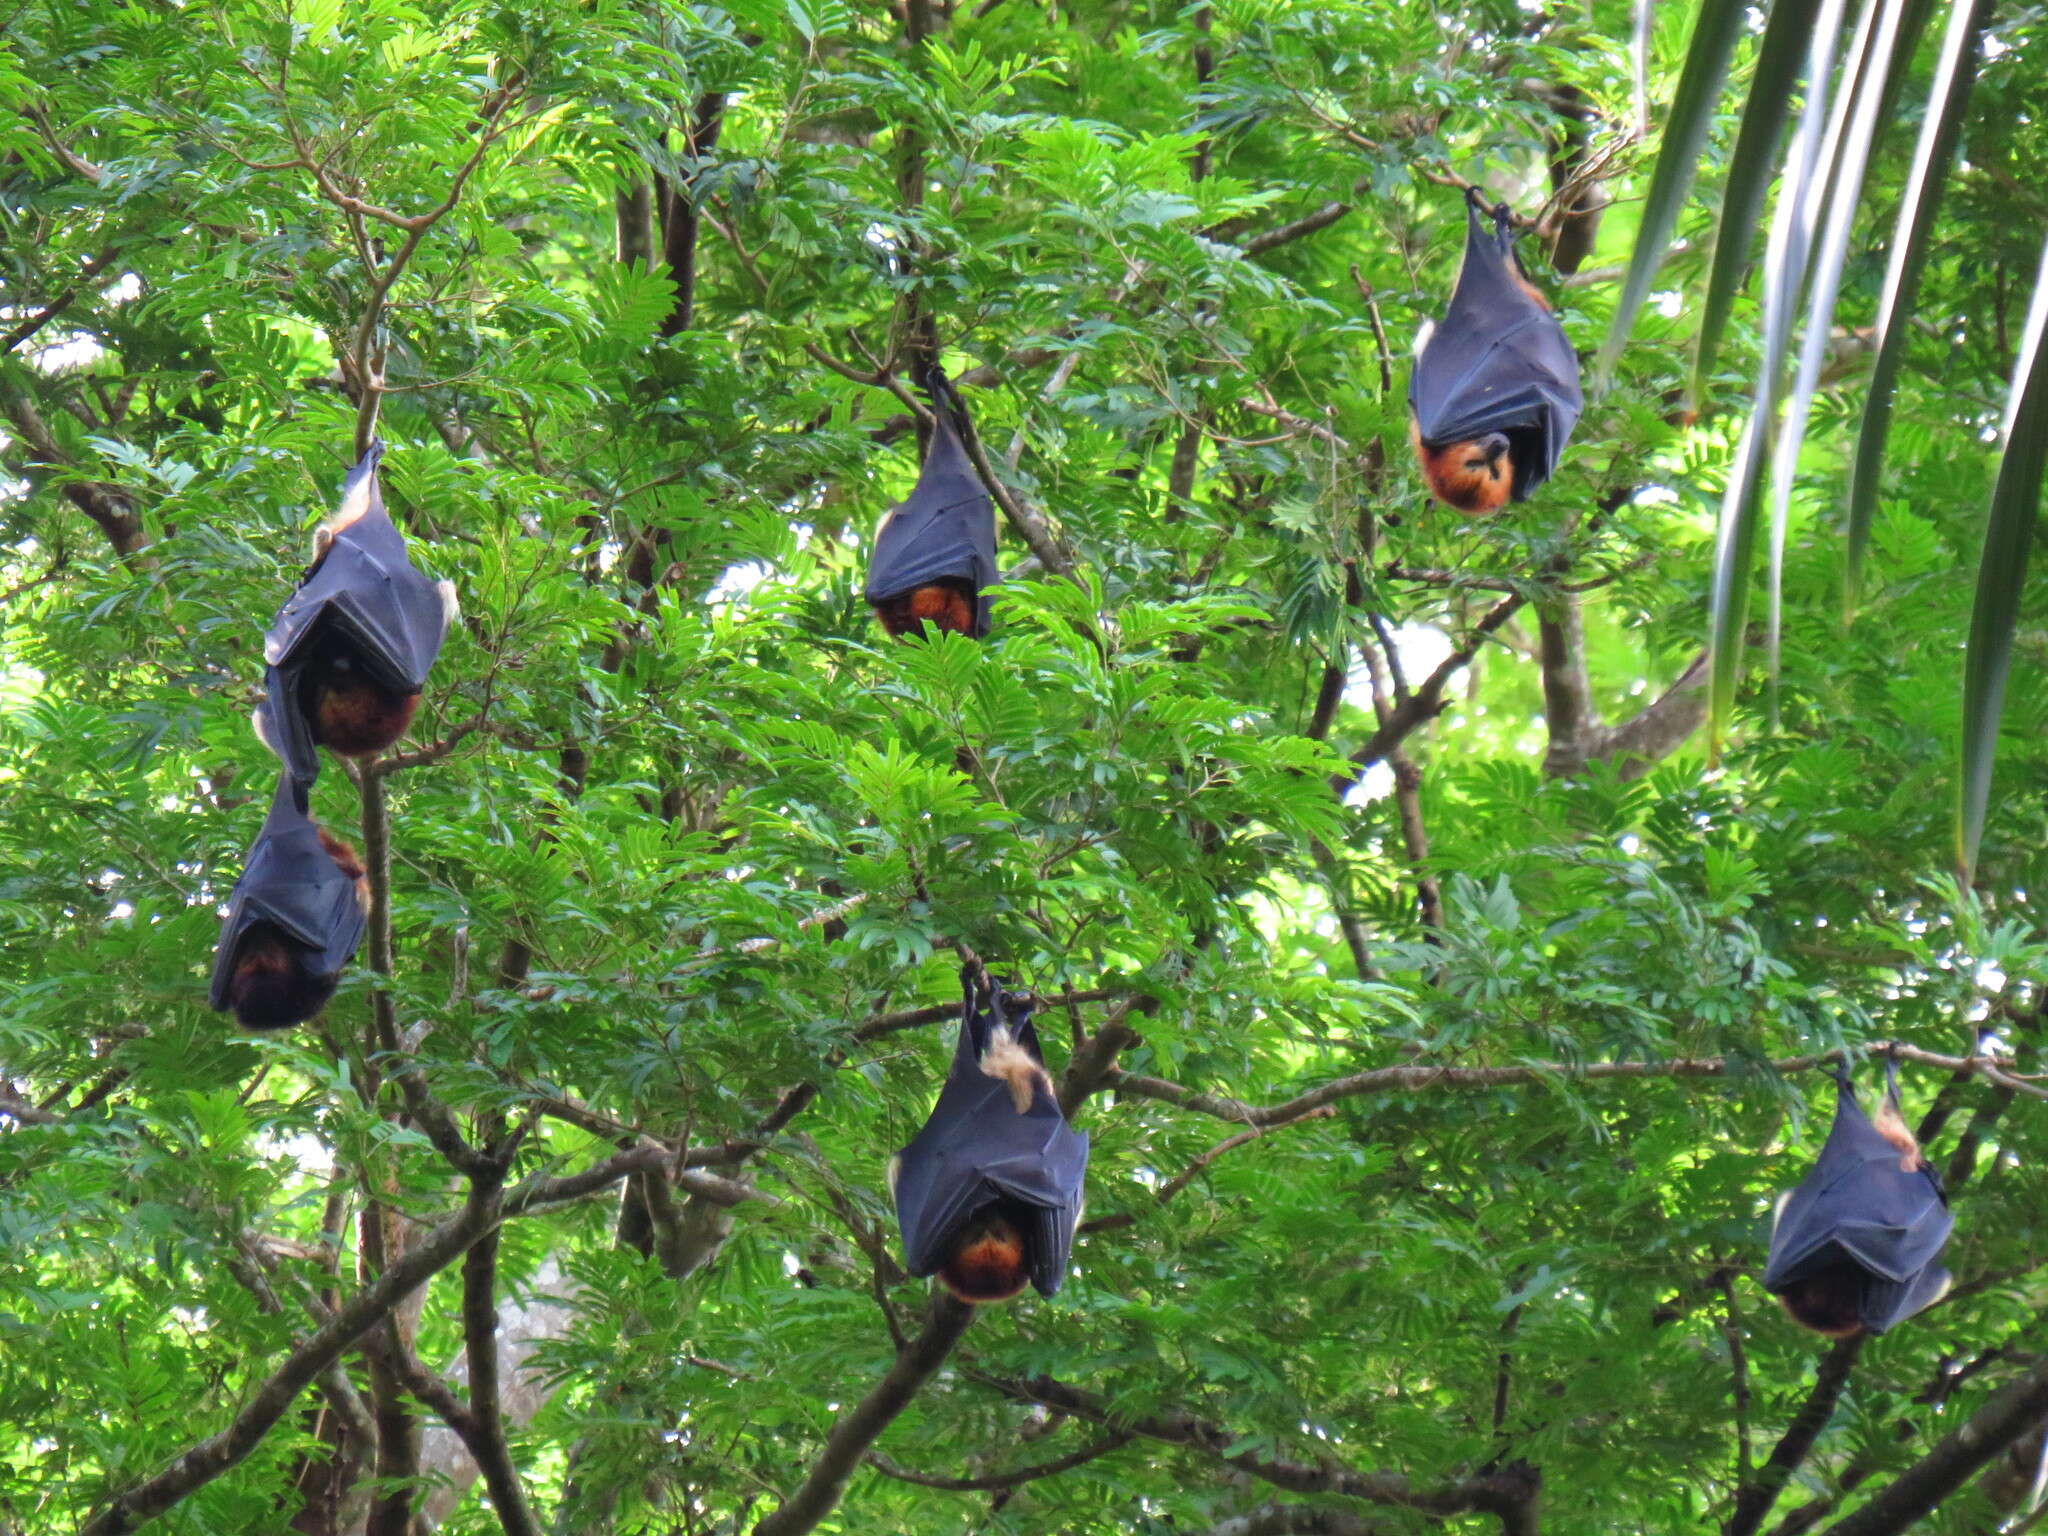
(270, 988)
(1828, 1301)
(989, 1262)
(947, 604)
(349, 712)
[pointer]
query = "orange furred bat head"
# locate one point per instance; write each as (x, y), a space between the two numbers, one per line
(1830, 1301)
(1474, 476)
(270, 988)
(944, 604)
(349, 712)
(988, 1263)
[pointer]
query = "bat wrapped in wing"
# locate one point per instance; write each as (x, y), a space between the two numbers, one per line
(294, 918)
(935, 555)
(989, 1192)
(349, 651)
(1494, 393)
(1854, 1247)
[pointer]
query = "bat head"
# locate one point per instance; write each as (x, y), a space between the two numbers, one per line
(1830, 1301)
(990, 1261)
(272, 983)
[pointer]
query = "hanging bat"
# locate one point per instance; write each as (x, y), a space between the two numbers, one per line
(989, 1192)
(349, 651)
(294, 918)
(935, 555)
(1853, 1248)
(1494, 393)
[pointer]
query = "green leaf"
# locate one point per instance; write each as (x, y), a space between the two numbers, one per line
(1685, 134)
(1920, 199)
(2002, 573)
(1780, 59)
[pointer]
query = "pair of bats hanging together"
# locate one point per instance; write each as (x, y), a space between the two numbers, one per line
(988, 1194)
(935, 554)
(1494, 393)
(346, 658)
(1854, 1248)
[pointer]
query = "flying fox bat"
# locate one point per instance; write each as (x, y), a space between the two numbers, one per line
(294, 918)
(935, 555)
(1494, 393)
(989, 1192)
(349, 651)
(1853, 1248)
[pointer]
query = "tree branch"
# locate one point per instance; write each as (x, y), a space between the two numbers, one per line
(995, 1482)
(2006, 1415)
(219, 1452)
(1753, 1500)
(858, 1428)
(1509, 1494)
(1416, 1079)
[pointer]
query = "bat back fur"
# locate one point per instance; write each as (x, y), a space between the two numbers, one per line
(1011, 1064)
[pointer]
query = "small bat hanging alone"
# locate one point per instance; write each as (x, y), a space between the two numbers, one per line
(935, 555)
(989, 1192)
(1494, 393)
(349, 651)
(1853, 1248)
(294, 919)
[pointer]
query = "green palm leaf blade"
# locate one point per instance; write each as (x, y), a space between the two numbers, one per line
(1692, 112)
(1859, 95)
(1948, 97)
(2002, 572)
(1780, 61)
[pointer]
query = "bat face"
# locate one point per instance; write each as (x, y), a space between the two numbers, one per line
(350, 650)
(945, 604)
(293, 920)
(988, 1262)
(1856, 1244)
(935, 555)
(274, 985)
(1494, 392)
(989, 1192)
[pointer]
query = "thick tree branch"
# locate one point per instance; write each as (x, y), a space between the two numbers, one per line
(1753, 1500)
(108, 506)
(1307, 224)
(858, 1428)
(996, 1481)
(1417, 1079)
(2007, 1414)
(370, 1306)
(1509, 1494)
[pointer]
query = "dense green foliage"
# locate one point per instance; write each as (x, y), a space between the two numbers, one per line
(683, 820)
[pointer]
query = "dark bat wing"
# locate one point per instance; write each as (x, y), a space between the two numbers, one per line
(1858, 1206)
(976, 1151)
(1497, 362)
(946, 530)
(365, 589)
(291, 882)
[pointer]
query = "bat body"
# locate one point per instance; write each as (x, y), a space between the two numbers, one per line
(350, 650)
(989, 1192)
(1494, 393)
(294, 919)
(1854, 1247)
(935, 555)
